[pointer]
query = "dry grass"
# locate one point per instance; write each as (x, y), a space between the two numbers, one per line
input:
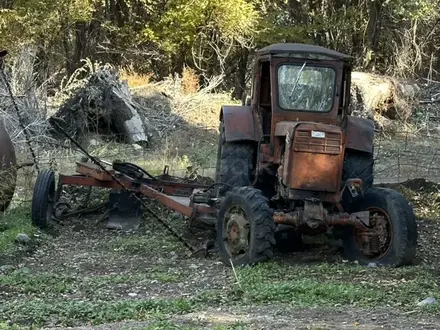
(186, 119)
(133, 78)
(190, 81)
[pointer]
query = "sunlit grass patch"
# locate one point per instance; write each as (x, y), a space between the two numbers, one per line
(333, 285)
(13, 222)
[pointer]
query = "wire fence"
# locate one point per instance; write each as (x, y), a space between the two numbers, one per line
(403, 157)
(407, 156)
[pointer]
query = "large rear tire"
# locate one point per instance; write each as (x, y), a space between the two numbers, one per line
(395, 235)
(245, 228)
(235, 163)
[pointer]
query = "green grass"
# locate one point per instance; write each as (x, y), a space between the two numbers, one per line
(333, 285)
(320, 286)
(12, 223)
(22, 281)
(136, 244)
(69, 312)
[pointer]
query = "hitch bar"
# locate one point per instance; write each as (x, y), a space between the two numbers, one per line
(175, 195)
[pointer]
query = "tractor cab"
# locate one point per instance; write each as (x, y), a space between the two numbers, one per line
(299, 82)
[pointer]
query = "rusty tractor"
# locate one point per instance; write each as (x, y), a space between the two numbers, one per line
(293, 155)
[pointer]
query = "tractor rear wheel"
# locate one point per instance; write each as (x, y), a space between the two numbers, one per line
(392, 238)
(235, 163)
(245, 228)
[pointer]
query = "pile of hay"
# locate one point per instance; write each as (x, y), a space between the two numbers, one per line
(381, 98)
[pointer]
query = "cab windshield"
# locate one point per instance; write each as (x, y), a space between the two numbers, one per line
(306, 87)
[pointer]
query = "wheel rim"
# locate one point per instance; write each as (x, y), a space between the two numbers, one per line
(236, 229)
(376, 242)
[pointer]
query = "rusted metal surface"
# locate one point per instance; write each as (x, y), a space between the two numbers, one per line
(291, 218)
(285, 128)
(161, 191)
(171, 203)
(313, 213)
(239, 123)
(237, 231)
(79, 180)
(125, 211)
(92, 170)
(359, 134)
(8, 170)
(295, 194)
(375, 242)
(297, 218)
(314, 163)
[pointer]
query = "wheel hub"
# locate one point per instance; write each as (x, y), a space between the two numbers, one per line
(237, 233)
(376, 241)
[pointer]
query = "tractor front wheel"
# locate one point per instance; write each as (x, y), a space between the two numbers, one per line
(392, 237)
(245, 228)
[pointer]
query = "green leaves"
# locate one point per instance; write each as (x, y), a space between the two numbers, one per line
(28, 21)
(184, 20)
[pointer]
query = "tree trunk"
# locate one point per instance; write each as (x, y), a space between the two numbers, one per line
(240, 75)
(295, 11)
(373, 33)
(80, 49)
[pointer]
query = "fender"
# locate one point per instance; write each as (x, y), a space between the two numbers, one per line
(238, 123)
(360, 134)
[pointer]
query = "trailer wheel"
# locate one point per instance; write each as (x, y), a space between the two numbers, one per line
(392, 239)
(245, 229)
(234, 163)
(43, 199)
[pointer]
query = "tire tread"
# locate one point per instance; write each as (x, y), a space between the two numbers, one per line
(40, 198)
(262, 225)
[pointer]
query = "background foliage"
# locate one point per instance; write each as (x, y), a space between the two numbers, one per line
(162, 37)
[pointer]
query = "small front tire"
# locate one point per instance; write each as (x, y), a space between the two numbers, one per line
(245, 228)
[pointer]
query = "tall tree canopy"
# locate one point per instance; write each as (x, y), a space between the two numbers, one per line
(217, 36)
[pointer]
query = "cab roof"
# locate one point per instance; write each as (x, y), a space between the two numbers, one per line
(304, 50)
